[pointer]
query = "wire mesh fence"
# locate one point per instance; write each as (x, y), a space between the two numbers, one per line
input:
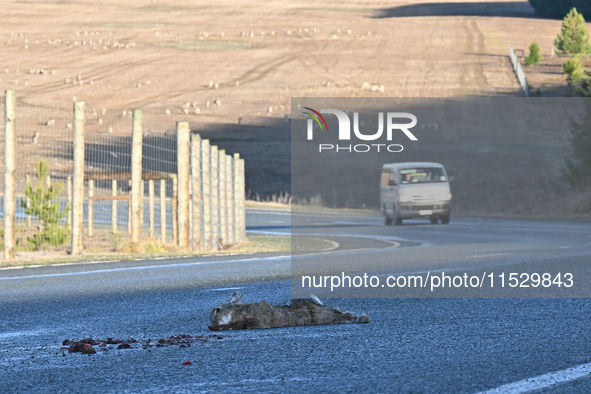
(519, 71)
(189, 194)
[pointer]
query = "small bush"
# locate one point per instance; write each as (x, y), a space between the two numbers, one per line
(534, 55)
(573, 38)
(578, 169)
(574, 69)
(43, 206)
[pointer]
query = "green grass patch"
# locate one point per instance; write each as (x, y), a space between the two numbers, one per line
(151, 249)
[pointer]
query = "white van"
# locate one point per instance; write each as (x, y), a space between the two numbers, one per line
(415, 190)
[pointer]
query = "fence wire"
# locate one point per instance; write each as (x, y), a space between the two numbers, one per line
(45, 162)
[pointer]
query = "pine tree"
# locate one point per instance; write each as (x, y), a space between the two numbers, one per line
(573, 38)
(534, 55)
(43, 206)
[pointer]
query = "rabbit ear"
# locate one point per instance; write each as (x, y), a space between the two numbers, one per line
(234, 298)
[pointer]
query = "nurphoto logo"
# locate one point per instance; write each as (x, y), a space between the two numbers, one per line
(344, 133)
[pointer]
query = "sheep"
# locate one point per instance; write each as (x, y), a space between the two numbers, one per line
(217, 102)
(50, 122)
(270, 110)
(197, 110)
(167, 111)
(185, 111)
(35, 137)
(298, 312)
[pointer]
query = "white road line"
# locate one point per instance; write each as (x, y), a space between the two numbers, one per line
(485, 255)
(333, 245)
(543, 381)
(147, 267)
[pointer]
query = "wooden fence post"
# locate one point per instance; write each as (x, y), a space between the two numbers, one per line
(183, 173)
(230, 199)
(142, 211)
(196, 190)
(129, 220)
(136, 175)
(222, 191)
(114, 206)
(215, 200)
(241, 216)
(78, 189)
(151, 194)
(163, 210)
(206, 182)
(69, 197)
(236, 188)
(9, 174)
(175, 223)
(91, 208)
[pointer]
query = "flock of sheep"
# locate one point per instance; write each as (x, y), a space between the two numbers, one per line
(94, 40)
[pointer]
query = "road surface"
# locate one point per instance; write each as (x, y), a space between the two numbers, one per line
(411, 345)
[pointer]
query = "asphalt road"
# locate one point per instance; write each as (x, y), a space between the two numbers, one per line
(411, 345)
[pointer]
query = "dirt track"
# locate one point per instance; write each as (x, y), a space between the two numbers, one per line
(173, 49)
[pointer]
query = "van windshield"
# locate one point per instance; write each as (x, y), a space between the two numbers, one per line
(422, 175)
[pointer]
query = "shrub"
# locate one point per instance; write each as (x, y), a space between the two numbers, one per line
(534, 55)
(43, 206)
(574, 69)
(559, 8)
(578, 170)
(573, 38)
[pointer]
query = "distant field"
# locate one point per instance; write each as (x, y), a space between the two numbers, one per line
(165, 55)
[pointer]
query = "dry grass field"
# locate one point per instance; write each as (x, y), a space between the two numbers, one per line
(231, 68)
(159, 55)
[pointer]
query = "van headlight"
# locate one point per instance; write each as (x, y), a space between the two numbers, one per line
(444, 196)
(405, 198)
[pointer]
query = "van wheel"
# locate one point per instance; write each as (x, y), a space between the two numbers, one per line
(397, 219)
(387, 220)
(445, 219)
(434, 220)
